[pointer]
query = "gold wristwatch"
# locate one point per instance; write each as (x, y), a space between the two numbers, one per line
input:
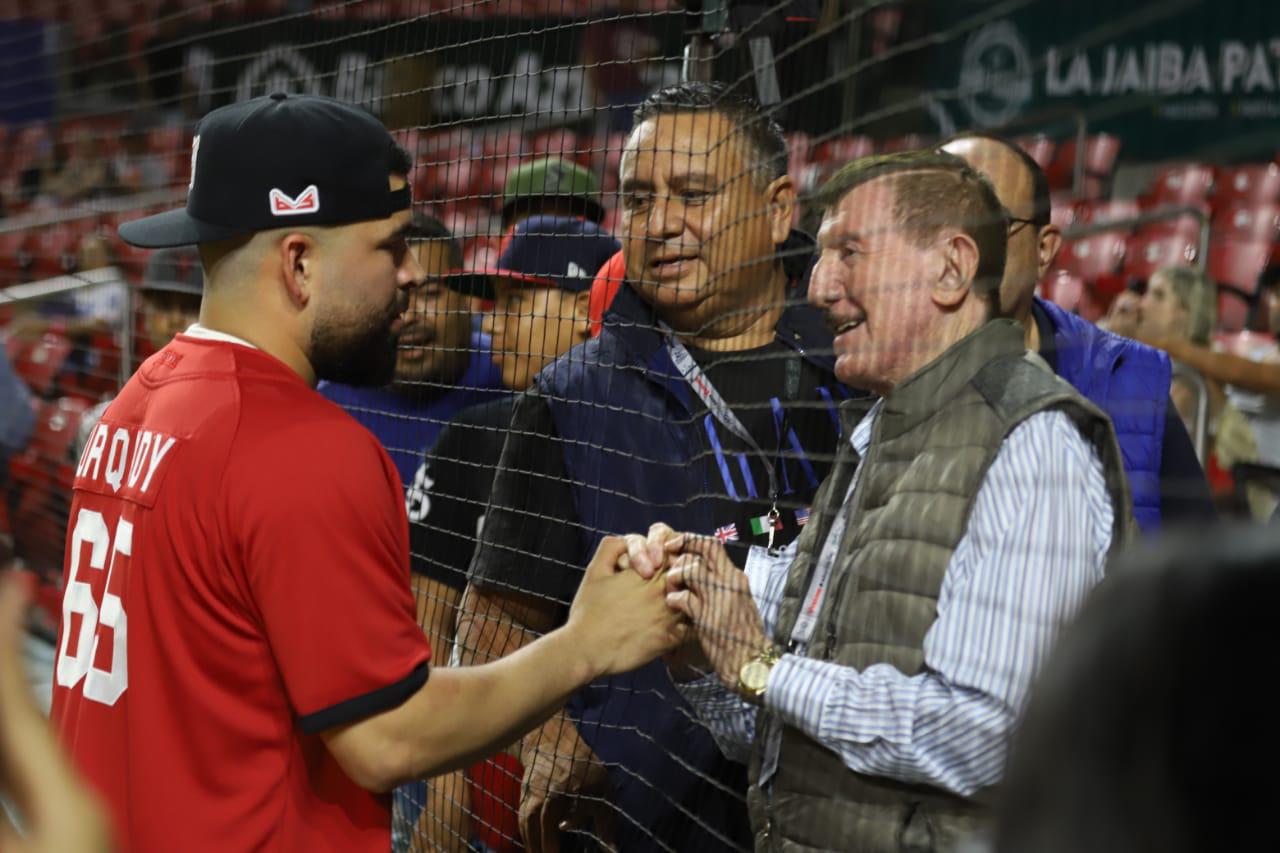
(754, 674)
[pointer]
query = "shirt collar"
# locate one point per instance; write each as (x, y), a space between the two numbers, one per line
(860, 438)
(204, 333)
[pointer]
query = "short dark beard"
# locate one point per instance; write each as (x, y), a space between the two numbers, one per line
(363, 356)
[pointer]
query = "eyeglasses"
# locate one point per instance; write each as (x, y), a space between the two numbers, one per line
(1016, 223)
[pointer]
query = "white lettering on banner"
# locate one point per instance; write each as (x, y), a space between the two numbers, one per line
(1197, 78)
(1163, 68)
(133, 459)
(1235, 59)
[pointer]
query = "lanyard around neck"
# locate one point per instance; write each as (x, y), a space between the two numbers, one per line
(720, 410)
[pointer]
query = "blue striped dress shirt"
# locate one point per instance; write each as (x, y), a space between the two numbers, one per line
(1036, 543)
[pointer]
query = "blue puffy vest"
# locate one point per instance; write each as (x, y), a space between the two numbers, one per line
(1130, 382)
(631, 442)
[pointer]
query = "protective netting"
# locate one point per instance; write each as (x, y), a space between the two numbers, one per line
(1153, 123)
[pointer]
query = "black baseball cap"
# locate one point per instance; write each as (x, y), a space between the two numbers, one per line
(275, 161)
(543, 251)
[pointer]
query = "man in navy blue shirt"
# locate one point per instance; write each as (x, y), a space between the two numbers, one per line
(443, 365)
(1127, 380)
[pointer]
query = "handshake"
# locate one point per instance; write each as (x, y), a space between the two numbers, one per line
(676, 595)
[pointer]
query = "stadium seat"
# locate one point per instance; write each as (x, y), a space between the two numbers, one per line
(1063, 209)
(1100, 155)
(1238, 263)
(1093, 256)
(39, 363)
(1063, 288)
(1233, 310)
(1253, 184)
(843, 149)
(1182, 183)
(1147, 253)
(55, 250)
(15, 258)
(1182, 225)
(1089, 211)
(561, 143)
(909, 142)
(799, 148)
(1251, 223)
(1039, 148)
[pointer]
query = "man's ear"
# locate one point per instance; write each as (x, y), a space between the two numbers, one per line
(298, 267)
(959, 266)
(1050, 243)
(582, 314)
(781, 194)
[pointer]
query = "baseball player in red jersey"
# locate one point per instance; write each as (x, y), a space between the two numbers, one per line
(239, 666)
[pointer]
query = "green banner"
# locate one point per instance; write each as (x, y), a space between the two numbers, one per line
(1171, 78)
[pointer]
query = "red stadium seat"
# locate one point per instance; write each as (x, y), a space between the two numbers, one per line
(843, 149)
(1251, 223)
(1182, 183)
(15, 258)
(1253, 184)
(1039, 148)
(910, 142)
(1089, 211)
(561, 143)
(1064, 289)
(1100, 154)
(39, 363)
(1063, 209)
(1233, 310)
(1185, 225)
(799, 149)
(1094, 256)
(55, 250)
(1147, 253)
(1238, 263)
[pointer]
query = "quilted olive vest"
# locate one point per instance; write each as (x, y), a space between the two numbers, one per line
(934, 439)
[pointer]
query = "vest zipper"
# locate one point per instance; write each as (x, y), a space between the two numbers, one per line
(837, 594)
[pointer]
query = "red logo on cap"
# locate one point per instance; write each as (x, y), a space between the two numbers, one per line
(308, 201)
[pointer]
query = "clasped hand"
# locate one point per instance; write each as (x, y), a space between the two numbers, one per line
(705, 586)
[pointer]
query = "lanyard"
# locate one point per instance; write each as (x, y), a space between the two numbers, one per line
(707, 393)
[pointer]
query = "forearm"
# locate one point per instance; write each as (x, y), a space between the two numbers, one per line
(1228, 369)
(463, 714)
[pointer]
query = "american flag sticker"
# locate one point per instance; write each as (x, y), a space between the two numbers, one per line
(802, 517)
(728, 533)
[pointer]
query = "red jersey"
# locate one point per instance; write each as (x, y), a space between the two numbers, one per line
(236, 582)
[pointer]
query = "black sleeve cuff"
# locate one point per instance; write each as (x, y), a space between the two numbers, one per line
(382, 699)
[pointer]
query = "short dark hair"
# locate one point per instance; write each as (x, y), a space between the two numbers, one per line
(1041, 203)
(932, 190)
(426, 227)
(767, 147)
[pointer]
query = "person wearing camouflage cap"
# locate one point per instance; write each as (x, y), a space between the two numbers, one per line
(550, 186)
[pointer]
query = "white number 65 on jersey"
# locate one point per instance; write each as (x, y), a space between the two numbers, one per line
(105, 686)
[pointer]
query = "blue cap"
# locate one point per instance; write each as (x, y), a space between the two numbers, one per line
(543, 251)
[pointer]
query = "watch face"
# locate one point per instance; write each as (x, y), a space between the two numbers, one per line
(755, 675)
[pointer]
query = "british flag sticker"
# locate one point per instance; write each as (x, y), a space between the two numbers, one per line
(728, 533)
